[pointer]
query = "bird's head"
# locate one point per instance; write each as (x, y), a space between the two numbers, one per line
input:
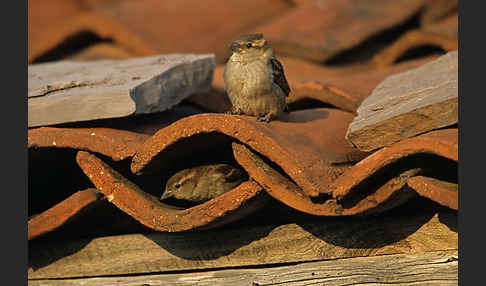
(179, 185)
(249, 44)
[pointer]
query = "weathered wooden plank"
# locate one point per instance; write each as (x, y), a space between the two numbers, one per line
(408, 104)
(69, 91)
(427, 268)
(256, 245)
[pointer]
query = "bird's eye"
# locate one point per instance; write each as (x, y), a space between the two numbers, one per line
(177, 186)
(249, 45)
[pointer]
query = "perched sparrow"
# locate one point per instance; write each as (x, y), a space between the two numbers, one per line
(254, 79)
(202, 183)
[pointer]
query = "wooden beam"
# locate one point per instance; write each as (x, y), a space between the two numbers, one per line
(427, 268)
(327, 238)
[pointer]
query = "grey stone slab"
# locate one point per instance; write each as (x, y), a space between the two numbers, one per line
(408, 104)
(69, 91)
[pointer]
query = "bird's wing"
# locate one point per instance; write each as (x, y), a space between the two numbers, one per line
(230, 173)
(279, 76)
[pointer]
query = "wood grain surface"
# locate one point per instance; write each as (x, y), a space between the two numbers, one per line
(428, 268)
(244, 246)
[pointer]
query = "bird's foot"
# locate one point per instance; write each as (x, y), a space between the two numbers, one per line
(265, 118)
(234, 111)
(287, 109)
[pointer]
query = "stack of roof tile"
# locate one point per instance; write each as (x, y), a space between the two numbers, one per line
(303, 160)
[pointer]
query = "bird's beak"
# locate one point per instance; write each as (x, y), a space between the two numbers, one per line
(235, 46)
(165, 195)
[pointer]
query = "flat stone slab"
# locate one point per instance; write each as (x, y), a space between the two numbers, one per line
(408, 104)
(69, 91)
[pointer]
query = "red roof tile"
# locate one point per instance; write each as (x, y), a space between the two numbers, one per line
(60, 213)
(117, 144)
(321, 29)
(148, 210)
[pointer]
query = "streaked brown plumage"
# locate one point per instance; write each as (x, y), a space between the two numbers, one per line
(202, 183)
(254, 79)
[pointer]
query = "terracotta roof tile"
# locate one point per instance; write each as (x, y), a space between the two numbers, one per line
(442, 34)
(101, 51)
(347, 196)
(93, 22)
(445, 193)
(321, 29)
(436, 10)
(317, 142)
(447, 27)
(148, 210)
(314, 172)
(148, 27)
(117, 144)
(44, 14)
(61, 213)
(208, 27)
